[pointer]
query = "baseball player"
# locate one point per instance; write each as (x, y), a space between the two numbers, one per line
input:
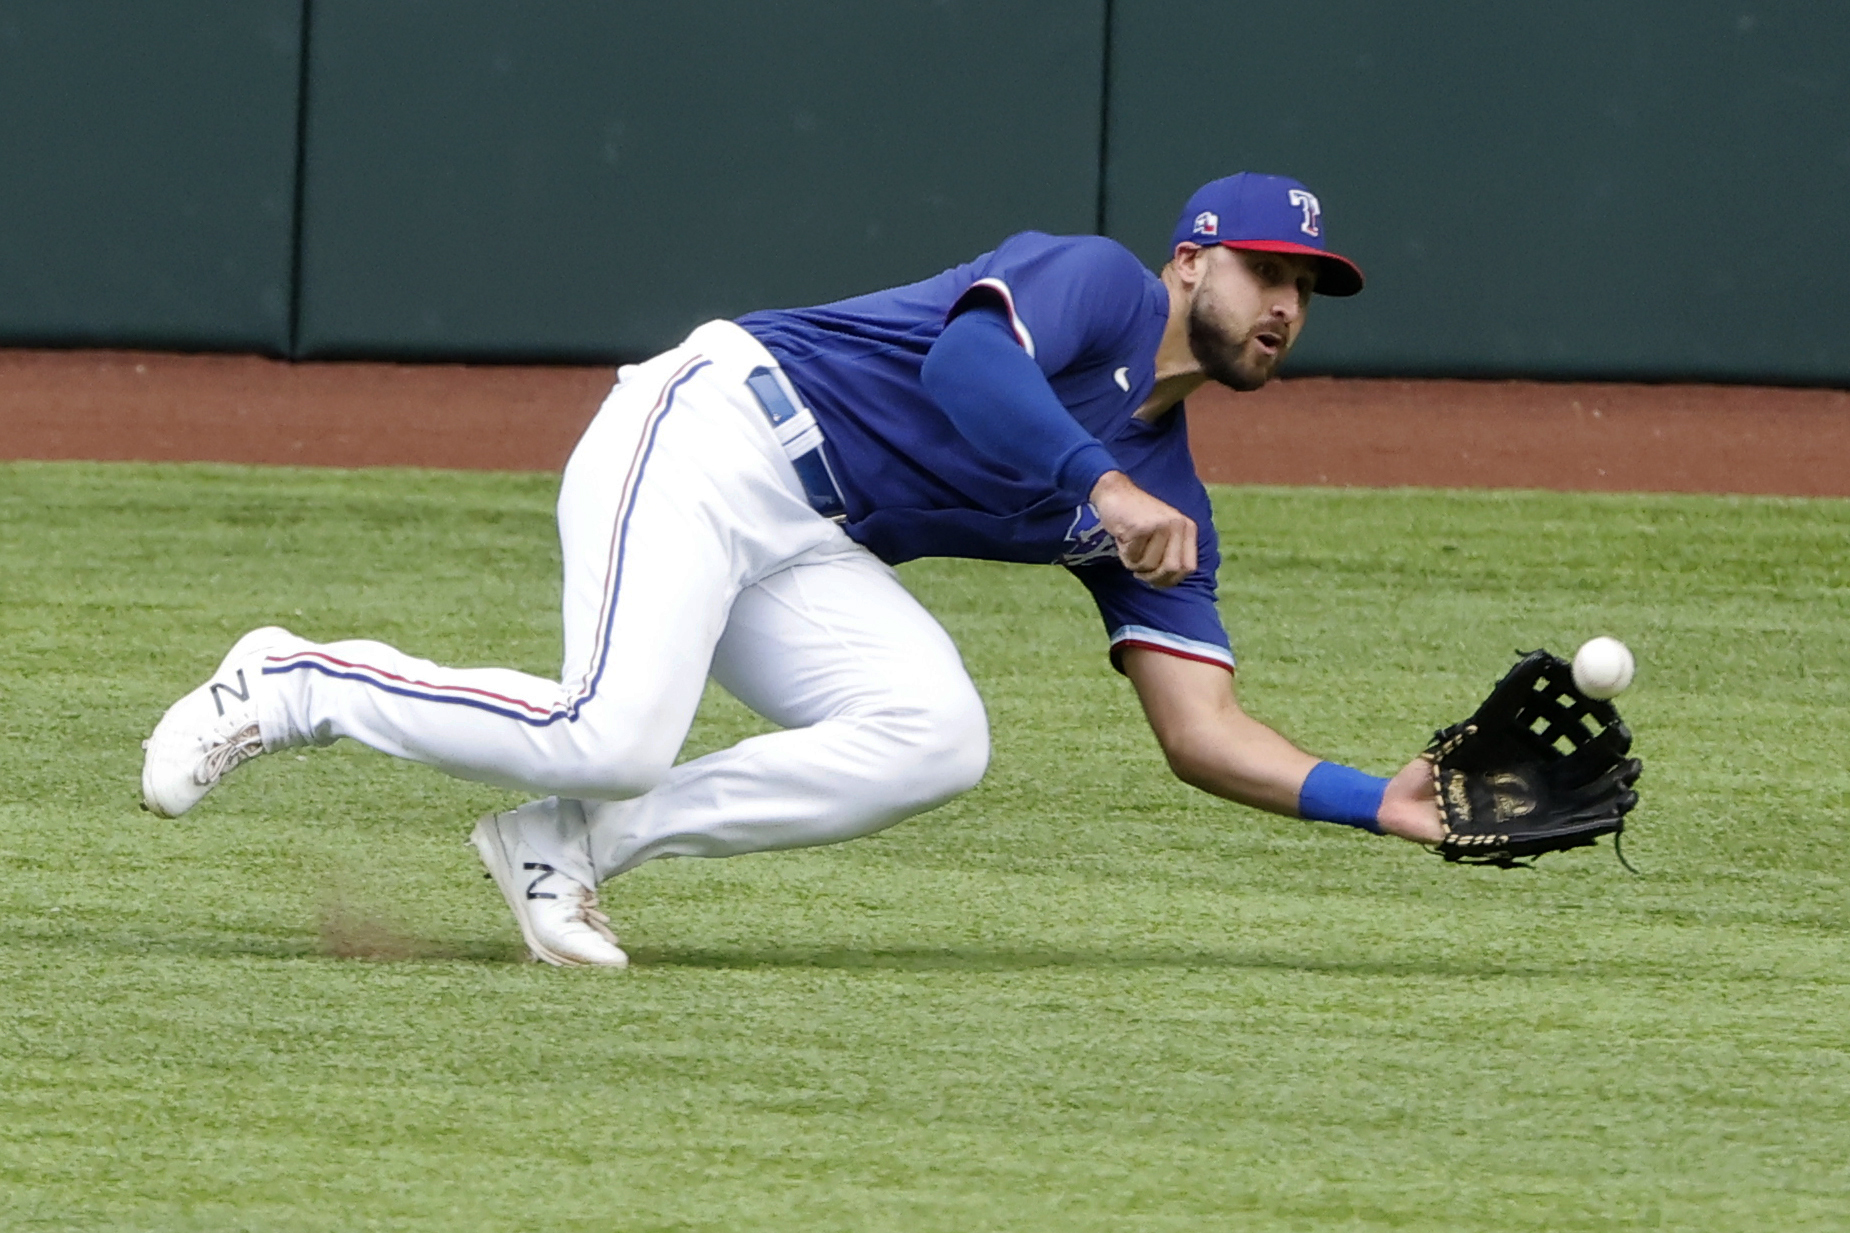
(734, 510)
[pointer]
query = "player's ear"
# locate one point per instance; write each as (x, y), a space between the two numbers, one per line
(1190, 261)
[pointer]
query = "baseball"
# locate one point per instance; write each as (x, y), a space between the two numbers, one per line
(1603, 667)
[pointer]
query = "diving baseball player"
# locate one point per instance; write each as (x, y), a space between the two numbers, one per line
(734, 510)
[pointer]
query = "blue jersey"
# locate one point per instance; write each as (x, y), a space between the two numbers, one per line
(1091, 317)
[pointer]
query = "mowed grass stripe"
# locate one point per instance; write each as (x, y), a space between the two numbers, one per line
(1082, 997)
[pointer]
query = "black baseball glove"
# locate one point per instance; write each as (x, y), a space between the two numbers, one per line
(1540, 767)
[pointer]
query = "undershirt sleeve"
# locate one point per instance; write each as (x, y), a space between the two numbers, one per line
(996, 396)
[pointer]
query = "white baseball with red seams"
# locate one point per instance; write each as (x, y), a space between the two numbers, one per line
(689, 548)
(1603, 667)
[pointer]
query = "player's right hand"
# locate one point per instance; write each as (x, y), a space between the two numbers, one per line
(1410, 809)
(1155, 540)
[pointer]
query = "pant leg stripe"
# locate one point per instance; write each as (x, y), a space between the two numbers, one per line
(455, 700)
(327, 664)
(619, 539)
(526, 712)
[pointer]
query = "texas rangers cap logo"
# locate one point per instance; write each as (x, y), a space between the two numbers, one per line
(1263, 213)
(1307, 202)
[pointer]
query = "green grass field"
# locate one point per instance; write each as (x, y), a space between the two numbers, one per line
(1083, 997)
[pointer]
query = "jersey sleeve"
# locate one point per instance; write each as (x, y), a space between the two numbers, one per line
(1067, 297)
(1183, 620)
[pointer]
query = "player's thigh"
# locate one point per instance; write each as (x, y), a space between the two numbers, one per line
(838, 636)
(607, 517)
(648, 577)
(676, 496)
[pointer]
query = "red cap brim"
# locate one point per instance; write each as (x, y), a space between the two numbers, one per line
(1335, 275)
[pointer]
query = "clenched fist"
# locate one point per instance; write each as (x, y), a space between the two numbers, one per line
(1155, 540)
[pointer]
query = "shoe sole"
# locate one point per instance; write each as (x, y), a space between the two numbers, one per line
(487, 841)
(255, 641)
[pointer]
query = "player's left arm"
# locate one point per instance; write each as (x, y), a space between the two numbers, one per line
(1213, 744)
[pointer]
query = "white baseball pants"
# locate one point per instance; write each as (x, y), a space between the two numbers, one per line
(689, 549)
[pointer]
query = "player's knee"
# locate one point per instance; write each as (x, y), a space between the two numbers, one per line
(613, 771)
(604, 782)
(623, 782)
(945, 747)
(964, 757)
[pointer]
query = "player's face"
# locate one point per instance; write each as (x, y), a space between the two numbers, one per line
(1247, 311)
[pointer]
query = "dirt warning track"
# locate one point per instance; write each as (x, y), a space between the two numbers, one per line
(111, 405)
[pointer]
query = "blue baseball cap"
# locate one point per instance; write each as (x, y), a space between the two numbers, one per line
(1268, 214)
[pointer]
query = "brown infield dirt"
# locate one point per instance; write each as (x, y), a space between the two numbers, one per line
(109, 405)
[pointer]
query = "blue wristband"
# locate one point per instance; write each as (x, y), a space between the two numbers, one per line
(1341, 794)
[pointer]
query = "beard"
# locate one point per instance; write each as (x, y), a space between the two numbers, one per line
(1226, 358)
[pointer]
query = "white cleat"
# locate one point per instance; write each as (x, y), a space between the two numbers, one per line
(557, 913)
(208, 732)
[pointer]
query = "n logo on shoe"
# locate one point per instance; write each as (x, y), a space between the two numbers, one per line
(546, 871)
(242, 693)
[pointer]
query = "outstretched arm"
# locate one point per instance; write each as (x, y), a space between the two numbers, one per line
(1214, 745)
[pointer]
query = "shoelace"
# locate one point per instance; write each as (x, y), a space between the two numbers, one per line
(240, 746)
(588, 913)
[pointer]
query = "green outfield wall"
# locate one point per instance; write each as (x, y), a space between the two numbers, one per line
(1651, 190)
(147, 172)
(595, 180)
(1658, 188)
